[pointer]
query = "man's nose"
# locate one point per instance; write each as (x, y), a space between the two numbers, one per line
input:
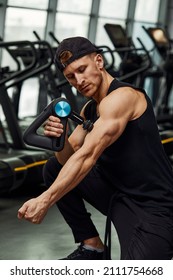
(79, 79)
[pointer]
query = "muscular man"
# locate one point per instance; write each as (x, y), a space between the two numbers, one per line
(119, 167)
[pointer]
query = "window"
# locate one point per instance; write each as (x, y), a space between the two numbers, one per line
(73, 19)
(110, 11)
(114, 8)
(78, 25)
(22, 18)
(146, 13)
(20, 24)
(40, 4)
(75, 6)
(147, 10)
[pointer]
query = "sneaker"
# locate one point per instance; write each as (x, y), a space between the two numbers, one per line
(83, 254)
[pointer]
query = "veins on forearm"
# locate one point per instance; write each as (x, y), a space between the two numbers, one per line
(70, 176)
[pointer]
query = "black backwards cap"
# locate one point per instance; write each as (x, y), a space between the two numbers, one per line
(71, 49)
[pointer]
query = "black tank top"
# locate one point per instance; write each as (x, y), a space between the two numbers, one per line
(136, 163)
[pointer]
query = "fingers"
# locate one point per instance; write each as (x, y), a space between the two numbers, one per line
(25, 212)
(54, 122)
(53, 127)
(54, 119)
(34, 210)
(22, 211)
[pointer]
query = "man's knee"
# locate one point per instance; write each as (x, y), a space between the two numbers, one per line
(51, 170)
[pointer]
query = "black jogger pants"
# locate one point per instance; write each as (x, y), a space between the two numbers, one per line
(141, 234)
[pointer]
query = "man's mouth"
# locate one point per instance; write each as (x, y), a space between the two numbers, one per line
(84, 88)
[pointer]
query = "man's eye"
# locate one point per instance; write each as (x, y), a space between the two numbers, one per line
(81, 69)
(69, 77)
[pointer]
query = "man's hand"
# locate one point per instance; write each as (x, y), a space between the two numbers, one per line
(53, 127)
(34, 210)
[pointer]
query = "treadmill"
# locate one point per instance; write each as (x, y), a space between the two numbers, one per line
(164, 46)
(134, 61)
(20, 165)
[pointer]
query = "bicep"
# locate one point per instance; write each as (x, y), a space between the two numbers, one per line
(77, 137)
(115, 112)
(104, 133)
(114, 116)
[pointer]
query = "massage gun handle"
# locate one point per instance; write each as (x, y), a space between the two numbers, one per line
(31, 137)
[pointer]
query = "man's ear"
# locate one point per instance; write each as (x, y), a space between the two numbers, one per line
(99, 61)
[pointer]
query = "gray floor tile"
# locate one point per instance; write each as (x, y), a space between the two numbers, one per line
(52, 239)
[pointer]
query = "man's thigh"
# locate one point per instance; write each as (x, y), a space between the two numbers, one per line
(148, 242)
(142, 236)
(96, 190)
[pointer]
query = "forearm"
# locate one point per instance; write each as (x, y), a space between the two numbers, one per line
(75, 169)
(65, 154)
(34, 210)
(72, 144)
(78, 165)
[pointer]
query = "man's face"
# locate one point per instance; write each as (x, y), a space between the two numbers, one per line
(85, 74)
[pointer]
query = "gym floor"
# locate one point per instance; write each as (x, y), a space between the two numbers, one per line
(50, 240)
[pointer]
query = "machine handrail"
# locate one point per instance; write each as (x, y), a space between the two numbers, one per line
(11, 54)
(39, 68)
(17, 74)
(5, 101)
(52, 35)
(141, 69)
